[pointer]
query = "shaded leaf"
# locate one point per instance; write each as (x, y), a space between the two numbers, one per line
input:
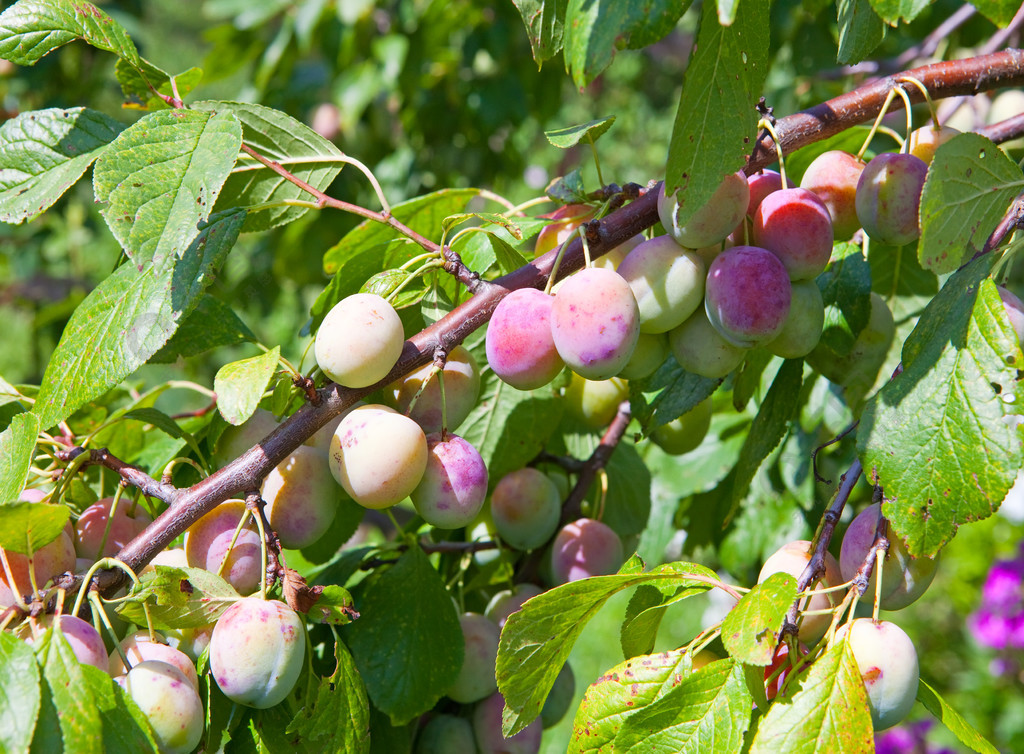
(137, 84)
(339, 718)
(667, 394)
(953, 720)
(894, 11)
(125, 728)
(860, 30)
(846, 291)
(81, 727)
(211, 324)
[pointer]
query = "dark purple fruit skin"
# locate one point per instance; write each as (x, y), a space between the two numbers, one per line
(748, 295)
(889, 198)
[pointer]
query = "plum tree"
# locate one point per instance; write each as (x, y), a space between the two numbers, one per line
(99, 534)
(378, 455)
(833, 177)
(792, 558)
(170, 703)
(667, 282)
(795, 225)
(208, 545)
(712, 221)
(359, 340)
(889, 197)
(454, 484)
(595, 402)
(748, 295)
(476, 676)
(700, 348)
(888, 666)
(595, 323)
(802, 329)
(257, 651)
(525, 506)
(461, 390)
(519, 346)
(301, 497)
(685, 433)
(585, 547)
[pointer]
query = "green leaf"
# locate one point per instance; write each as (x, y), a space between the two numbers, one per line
(291, 143)
(712, 704)
(846, 291)
(137, 84)
(20, 695)
(893, 11)
(17, 444)
(125, 728)
(333, 606)
(999, 12)
(31, 29)
(567, 189)
(212, 324)
(339, 719)
(126, 319)
(160, 177)
(570, 136)
(969, 187)
(647, 607)
(954, 408)
(750, 632)
(781, 405)
(827, 715)
(508, 426)
(667, 394)
(860, 30)
(898, 277)
(240, 385)
(26, 527)
(179, 598)
(537, 639)
(407, 644)
(717, 114)
(43, 153)
(595, 30)
(81, 727)
(544, 20)
(628, 501)
(953, 720)
(167, 425)
(509, 260)
(509, 224)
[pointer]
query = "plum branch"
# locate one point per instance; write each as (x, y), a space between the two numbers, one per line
(944, 79)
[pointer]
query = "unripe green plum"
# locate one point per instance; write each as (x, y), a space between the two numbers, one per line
(833, 176)
(301, 497)
(1014, 311)
(140, 646)
(748, 295)
(650, 353)
(454, 484)
(359, 340)
(584, 548)
(98, 534)
(713, 221)
(925, 140)
(565, 221)
(795, 225)
(519, 345)
(595, 323)
(446, 734)
(685, 433)
(667, 282)
(487, 730)
(887, 661)
(476, 676)
(509, 601)
(699, 348)
(170, 703)
(208, 540)
(889, 198)
(802, 328)
(461, 390)
(234, 441)
(904, 578)
(378, 456)
(525, 506)
(595, 402)
(792, 558)
(257, 651)
(559, 698)
(85, 641)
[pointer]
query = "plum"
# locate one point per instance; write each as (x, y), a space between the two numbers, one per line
(454, 484)
(208, 540)
(699, 348)
(446, 734)
(140, 646)
(667, 282)
(889, 198)
(359, 340)
(476, 676)
(461, 390)
(595, 402)
(509, 601)
(887, 661)
(650, 353)
(795, 225)
(170, 703)
(711, 222)
(525, 506)
(98, 534)
(792, 558)
(301, 497)
(487, 730)
(685, 433)
(925, 140)
(519, 344)
(585, 548)
(802, 329)
(833, 177)
(748, 295)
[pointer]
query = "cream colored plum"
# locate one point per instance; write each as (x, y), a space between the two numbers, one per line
(359, 340)
(170, 703)
(301, 497)
(584, 548)
(208, 545)
(99, 534)
(461, 390)
(887, 661)
(565, 221)
(792, 558)
(82, 636)
(234, 441)
(140, 646)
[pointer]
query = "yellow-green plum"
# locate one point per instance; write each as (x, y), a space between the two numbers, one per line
(699, 348)
(713, 221)
(446, 734)
(613, 258)
(833, 176)
(748, 295)
(476, 676)
(454, 484)
(525, 506)
(667, 282)
(585, 547)
(595, 402)
(257, 651)
(301, 497)
(140, 646)
(889, 198)
(487, 730)
(99, 534)
(650, 353)
(519, 344)
(359, 340)
(792, 558)
(887, 661)
(925, 140)
(461, 390)
(685, 433)
(378, 455)
(235, 440)
(595, 323)
(208, 545)
(795, 225)
(802, 328)
(170, 703)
